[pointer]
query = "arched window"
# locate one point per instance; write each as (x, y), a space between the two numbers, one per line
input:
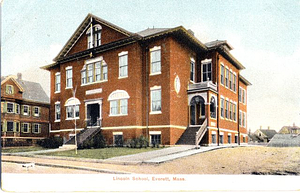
(72, 108)
(94, 36)
(118, 102)
(212, 107)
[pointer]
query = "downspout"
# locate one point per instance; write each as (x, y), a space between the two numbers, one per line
(147, 92)
(238, 107)
(218, 118)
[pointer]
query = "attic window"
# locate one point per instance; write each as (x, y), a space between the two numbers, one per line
(94, 36)
(9, 89)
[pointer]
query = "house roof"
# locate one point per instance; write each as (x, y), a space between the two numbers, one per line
(285, 140)
(268, 132)
(32, 91)
(82, 27)
(244, 80)
(152, 31)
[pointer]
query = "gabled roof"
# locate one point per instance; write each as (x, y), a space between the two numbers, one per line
(4, 79)
(32, 91)
(268, 132)
(80, 30)
(152, 31)
(289, 128)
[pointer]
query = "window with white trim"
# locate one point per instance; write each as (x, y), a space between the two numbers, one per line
(226, 77)
(221, 138)
(244, 119)
(10, 107)
(228, 139)
(234, 112)
(192, 70)
(155, 137)
(222, 74)
(9, 89)
(213, 107)
(244, 96)
(240, 118)
(230, 80)
(230, 111)
(36, 111)
(206, 70)
(17, 108)
(226, 109)
(155, 99)
(69, 76)
(57, 82)
(155, 60)
(234, 82)
(25, 127)
(94, 36)
(72, 108)
(94, 71)
(10, 126)
(118, 103)
(26, 110)
(123, 64)
(57, 111)
(222, 107)
(36, 128)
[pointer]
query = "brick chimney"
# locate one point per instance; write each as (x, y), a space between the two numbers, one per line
(19, 75)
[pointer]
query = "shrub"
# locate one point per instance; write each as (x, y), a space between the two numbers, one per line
(97, 141)
(52, 142)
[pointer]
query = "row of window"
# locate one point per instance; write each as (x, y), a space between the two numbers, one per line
(242, 119)
(228, 109)
(14, 126)
(229, 138)
(95, 70)
(228, 78)
(10, 107)
(118, 106)
(242, 95)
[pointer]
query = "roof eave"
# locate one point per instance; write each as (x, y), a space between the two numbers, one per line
(244, 80)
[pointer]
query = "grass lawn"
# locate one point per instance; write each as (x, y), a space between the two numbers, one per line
(21, 149)
(102, 153)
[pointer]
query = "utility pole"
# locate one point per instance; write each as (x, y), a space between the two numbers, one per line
(74, 111)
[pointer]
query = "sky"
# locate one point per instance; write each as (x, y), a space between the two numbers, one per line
(264, 34)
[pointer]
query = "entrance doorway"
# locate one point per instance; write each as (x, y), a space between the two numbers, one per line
(197, 110)
(93, 114)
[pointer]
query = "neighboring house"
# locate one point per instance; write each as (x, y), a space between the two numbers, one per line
(24, 112)
(285, 140)
(162, 83)
(264, 135)
(290, 130)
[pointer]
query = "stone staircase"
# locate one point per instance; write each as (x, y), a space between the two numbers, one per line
(188, 137)
(84, 134)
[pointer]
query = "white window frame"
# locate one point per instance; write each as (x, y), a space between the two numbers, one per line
(116, 98)
(192, 69)
(17, 109)
(94, 36)
(13, 107)
(69, 77)
(56, 112)
(13, 126)
(70, 104)
(152, 90)
(38, 128)
(226, 77)
(222, 74)
(234, 82)
(208, 71)
(123, 63)
(151, 133)
(152, 50)
(222, 107)
(38, 111)
(98, 69)
(57, 84)
(28, 127)
(28, 110)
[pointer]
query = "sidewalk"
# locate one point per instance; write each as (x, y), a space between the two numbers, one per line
(111, 165)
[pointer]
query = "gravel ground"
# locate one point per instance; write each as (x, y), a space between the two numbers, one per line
(239, 160)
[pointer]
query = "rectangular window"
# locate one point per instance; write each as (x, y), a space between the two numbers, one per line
(118, 140)
(9, 89)
(244, 96)
(36, 111)
(230, 80)
(90, 73)
(240, 118)
(234, 112)
(213, 138)
(155, 139)
(229, 139)
(240, 94)
(244, 139)
(26, 110)
(17, 108)
(221, 139)
(222, 74)
(235, 139)
(192, 71)
(206, 71)
(69, 76)
(226, 77)
(244, 119)
(71, 112)
(222, 107)
(156, 100)
(83, 77)
(25, 127)
(57, 82)
(155, 59)
(123, 64)
(98, 71)
(17, 126)
(226, 110)
(119, 107)
(36, 128)
(57, 112)
(10, 126)
(230, 111)
(10, 107)
(234, 82)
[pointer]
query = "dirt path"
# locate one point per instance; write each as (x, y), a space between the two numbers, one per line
(240, 160)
